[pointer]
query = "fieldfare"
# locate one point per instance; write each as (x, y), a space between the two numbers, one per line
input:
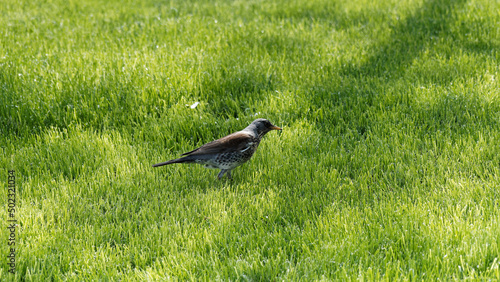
(228, 152)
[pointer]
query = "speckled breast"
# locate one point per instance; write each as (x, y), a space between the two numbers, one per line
(234, 159)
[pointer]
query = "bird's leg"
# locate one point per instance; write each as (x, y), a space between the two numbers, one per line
(221, 173)
(229, 174)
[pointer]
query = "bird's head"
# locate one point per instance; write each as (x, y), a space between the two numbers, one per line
(261, 126)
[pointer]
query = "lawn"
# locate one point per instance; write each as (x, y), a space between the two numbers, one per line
(387, 167)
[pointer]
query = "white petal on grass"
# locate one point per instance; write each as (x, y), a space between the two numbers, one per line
(194, 105)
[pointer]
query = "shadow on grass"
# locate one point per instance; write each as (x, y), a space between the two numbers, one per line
(408, 39)
(326, 12)
(232, 91)
(390, 63)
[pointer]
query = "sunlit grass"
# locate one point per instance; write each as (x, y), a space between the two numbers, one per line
(387, 167)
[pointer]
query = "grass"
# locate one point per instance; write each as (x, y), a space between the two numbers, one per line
(388, 167)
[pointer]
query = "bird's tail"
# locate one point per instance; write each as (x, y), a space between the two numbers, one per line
(176, 161)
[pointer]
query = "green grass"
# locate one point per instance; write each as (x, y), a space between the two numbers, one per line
(387, 168)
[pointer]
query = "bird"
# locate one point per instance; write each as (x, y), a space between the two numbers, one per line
(228, 152)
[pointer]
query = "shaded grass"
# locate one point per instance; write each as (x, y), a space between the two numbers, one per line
(387, 167)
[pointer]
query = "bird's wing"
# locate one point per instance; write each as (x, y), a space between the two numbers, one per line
(238, 141)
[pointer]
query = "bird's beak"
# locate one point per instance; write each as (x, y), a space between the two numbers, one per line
(275, 128)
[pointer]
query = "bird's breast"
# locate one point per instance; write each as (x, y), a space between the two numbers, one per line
(230, 160)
